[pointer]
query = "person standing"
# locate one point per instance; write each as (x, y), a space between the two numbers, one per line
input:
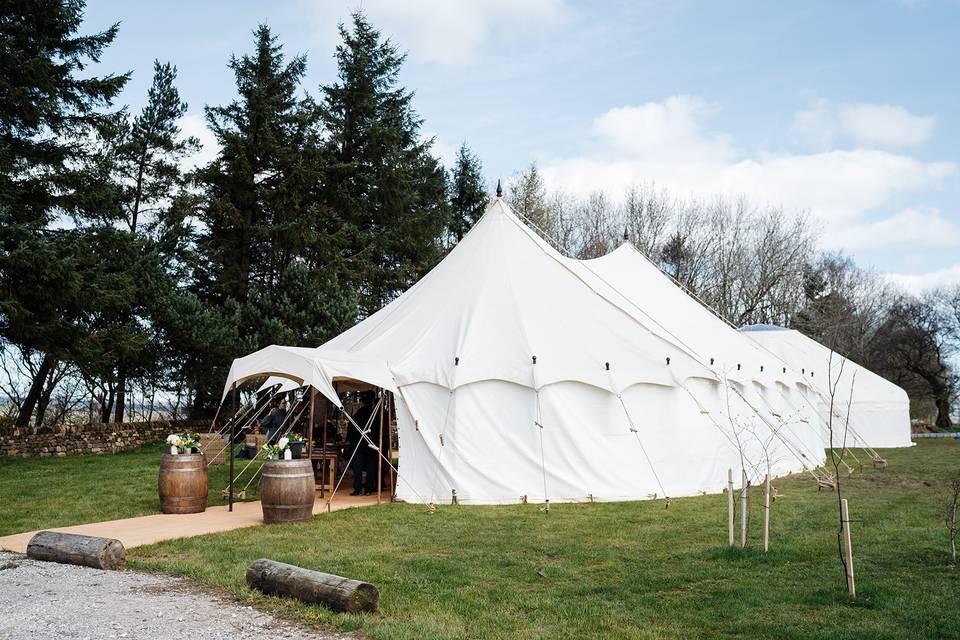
(358, 444)
(274, 421)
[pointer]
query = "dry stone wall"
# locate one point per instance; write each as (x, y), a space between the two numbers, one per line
(85, 438)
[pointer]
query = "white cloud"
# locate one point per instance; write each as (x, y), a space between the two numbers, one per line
(194, 124)
(916, 283)
(446, 32)
(668, 143)
(672, 129)
(885, 125)
(867, 125)
(913, 228)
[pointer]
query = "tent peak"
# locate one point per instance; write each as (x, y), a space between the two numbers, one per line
(499, 189)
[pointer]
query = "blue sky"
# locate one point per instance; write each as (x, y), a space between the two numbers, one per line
(850, 110)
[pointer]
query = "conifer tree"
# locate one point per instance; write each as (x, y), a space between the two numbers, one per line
(265, 256)
(50, 105)
(386, 191)
(468, 195)
(143, 156)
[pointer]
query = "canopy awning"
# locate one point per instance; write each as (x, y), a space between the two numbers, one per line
(318, 368)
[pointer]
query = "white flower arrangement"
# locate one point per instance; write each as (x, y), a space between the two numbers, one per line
(183, 442)
(279, 450)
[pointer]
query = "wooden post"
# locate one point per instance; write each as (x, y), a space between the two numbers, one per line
(393, 486)
(323, 450)
(313, 397)
(848, 548)
(383, 397)
(766, 512)
(743, 509)
(233, 437)
(731, 511)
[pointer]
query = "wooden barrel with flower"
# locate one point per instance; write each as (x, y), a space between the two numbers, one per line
(183, 483)
(287, 491)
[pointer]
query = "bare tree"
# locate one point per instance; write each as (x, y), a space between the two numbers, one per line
(646, 215)
(834, 375)
(951, 509)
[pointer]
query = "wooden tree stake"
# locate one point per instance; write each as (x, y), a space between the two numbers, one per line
(848, 548)
(766, 513)
(744, 507)
(731, 511)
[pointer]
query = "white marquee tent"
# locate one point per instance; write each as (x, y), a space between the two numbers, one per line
(519, 372)
(879, 411)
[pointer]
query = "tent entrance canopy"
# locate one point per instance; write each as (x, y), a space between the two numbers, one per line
(318, 368)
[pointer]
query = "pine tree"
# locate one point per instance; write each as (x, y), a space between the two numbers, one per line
(49, 108)
(468, 194)
(265, 255)
(385, 189)
(148, 150)
(142, 158)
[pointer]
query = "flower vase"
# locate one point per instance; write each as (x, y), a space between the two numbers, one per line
(174, 450)
(287, 454)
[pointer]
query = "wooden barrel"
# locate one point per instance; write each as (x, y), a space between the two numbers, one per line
(183, 483)
(287, 491)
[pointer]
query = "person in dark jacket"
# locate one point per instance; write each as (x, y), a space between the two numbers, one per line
(373, 455)
(358, 443)
(274, 420)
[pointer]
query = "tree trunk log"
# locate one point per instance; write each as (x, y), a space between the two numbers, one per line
(334, 592)
(70, 548)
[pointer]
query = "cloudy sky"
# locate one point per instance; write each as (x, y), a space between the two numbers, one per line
(850, 110)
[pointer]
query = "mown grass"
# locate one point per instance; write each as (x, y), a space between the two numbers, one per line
(38, 493)
(625, 570)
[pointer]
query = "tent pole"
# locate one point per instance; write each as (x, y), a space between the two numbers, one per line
(233, 437)
(313, 396)
(393, 486)
(323, 451)
(380, 457)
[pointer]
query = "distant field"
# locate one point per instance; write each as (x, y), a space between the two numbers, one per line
(37, 493)
(626, 570)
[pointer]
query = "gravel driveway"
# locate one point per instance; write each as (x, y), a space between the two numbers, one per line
(49, 600)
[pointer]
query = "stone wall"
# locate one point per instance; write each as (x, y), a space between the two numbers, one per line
(85, 438)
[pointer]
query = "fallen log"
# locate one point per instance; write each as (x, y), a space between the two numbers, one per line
(71, 548)
(334, 592)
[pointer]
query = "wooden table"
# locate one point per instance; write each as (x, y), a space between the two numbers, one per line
(328, 467)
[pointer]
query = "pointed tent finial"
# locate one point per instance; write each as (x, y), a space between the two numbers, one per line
(626, 234)
(499, 189)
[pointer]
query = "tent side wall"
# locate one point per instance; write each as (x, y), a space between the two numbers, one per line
(879, 410)
(494, 451)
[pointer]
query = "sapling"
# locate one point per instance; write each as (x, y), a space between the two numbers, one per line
(951, 508)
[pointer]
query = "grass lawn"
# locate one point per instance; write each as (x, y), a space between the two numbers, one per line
(626, 570)
(38, 493)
